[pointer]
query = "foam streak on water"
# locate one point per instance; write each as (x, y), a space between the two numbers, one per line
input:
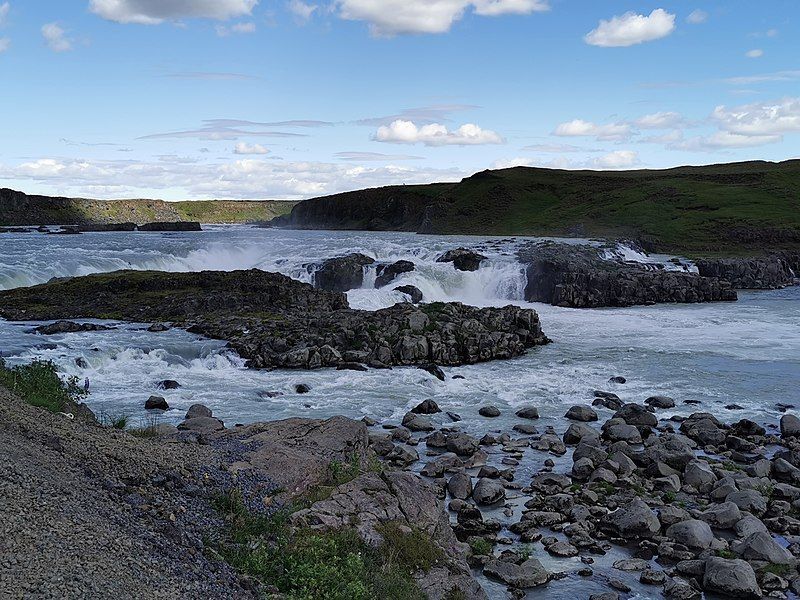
(745, 353)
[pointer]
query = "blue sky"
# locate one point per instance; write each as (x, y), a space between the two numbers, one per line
(190, 99)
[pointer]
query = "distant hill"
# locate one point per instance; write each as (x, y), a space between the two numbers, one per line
(17, 208)
(728, 207)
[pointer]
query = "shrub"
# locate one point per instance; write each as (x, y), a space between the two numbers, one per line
(305, 564)
(38, 384)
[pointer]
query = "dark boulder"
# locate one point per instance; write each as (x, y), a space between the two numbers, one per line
(342, 273)
(156, 403)
(411, 290)
(463, 259)
(168, 384)
(388, 273)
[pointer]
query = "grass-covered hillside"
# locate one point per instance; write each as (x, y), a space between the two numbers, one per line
(728, 207)
(17, 208)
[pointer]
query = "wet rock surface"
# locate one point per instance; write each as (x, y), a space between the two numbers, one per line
(274, 321)
(581, 276)
(767, 273)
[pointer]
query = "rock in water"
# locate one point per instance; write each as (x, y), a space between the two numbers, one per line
(434, 370)
(463, 259)
(636, 519)
(411, 290)
(343, 273)
(790, 426)
(529, 574)
(171, 226)
(168, 384)
(768, 273)
(581, 276)
(69, 327)
(156, 403)
(388, 273)
(274, 321)
(732, 578)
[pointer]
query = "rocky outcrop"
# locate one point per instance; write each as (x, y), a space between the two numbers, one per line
(402, 500)
(69, 327)
(342, 273)
(274, 321)
(171, 226)
(298, 454)
(580, 276)
(767, 273)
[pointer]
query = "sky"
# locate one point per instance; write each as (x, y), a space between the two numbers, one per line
(290, 99)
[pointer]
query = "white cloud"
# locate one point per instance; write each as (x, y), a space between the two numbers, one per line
(723, 140)
(619, 159)
(697, 16)
(754, 53)
(5, 7)
(153, 12)
(660, 120)
(631, 28)
(764, 78)
(374, 156)
(581, 128)
(391, 17)
(494, 8)
(244, 148)
(302, 10)
(224, 31)
(760, 118)
(242, 178)
(5, 44)
(407, 132)
(56, 38)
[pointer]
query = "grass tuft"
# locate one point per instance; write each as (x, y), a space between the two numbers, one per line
(39, 384)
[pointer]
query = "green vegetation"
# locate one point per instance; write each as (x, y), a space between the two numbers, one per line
(480, 546)
(776, 569)
(731, 208)
(725, 553)
(45, 210)
(305, 564)
(669, 497)
(38, 384)
(147, 429)
(115, 421)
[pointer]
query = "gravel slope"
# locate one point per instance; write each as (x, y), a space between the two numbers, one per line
(93, 513)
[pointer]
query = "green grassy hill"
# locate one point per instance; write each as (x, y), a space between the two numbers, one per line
(17, 208)
(729, 207)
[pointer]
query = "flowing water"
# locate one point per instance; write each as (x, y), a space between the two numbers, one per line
(745, 353)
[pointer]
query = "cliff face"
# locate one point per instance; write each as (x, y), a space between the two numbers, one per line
(396, 208)
(729, 207)
(18, 208)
